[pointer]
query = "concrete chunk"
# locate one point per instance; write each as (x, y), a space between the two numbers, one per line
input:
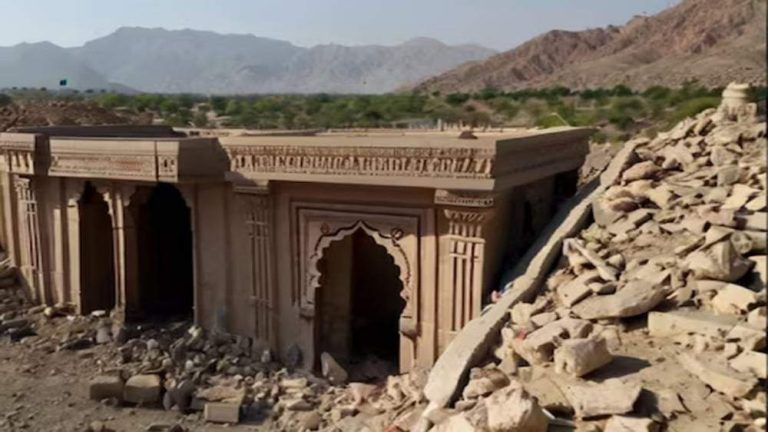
(578, 357)
(718, 376)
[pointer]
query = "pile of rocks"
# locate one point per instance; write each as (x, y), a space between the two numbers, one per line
(656, 314)
(185, 368)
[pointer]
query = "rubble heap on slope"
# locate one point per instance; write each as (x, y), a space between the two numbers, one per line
(655, 316)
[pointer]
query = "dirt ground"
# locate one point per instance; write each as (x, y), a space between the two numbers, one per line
(49, 392)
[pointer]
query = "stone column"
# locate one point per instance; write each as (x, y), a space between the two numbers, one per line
(118, 198)
(73, 189)
(462, 259)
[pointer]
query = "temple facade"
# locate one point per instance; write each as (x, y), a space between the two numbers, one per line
(370, 245)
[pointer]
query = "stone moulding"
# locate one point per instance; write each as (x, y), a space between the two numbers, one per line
(176, 160)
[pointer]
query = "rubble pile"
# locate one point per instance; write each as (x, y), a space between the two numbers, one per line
(655, 317)
(209, 375)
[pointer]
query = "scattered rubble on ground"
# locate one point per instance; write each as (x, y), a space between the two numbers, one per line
(211, 376)
(655, 317)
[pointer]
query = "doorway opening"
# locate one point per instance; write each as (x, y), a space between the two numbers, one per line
(164, 243)
(359, 307)
(97, 266)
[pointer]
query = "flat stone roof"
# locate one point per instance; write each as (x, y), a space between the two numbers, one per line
(437, 160)
(429, 160)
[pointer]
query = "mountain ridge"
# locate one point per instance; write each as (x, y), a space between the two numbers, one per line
(711, 41)
(200, 61)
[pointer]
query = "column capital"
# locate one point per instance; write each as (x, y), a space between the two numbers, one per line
(459, 198)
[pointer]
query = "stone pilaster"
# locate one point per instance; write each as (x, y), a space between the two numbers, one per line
(462, 265)
(255, 205)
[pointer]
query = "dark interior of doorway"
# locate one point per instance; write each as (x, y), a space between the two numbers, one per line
(97, 267)
(164, 256)
(363, 305)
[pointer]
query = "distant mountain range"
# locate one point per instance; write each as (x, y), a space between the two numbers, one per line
(165, 61)
(712, 41)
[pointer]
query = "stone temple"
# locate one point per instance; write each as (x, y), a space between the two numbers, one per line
(378, 245)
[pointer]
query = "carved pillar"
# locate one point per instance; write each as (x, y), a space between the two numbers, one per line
(124, 242)
(462, 259)
(257, 210)
(31, 253)
(73, 191)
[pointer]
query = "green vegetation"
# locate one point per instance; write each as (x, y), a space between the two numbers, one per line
(619, 111)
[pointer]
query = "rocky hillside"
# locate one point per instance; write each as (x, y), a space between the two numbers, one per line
(712, 41)
(191, 61)
(655, 317)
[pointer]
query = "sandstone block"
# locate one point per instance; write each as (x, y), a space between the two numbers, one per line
(142, 389)
(105, 387)
(578, 357)
(750, 338)
(733, 299)
(635, 298)
(222, 412)
(757, 318)
(630, 424)
(718, 375)
(720, 262)
(512, 410)
(640, 171)
(332, 370)
(484, 381)
(752, 362)
(673, 323)
(609, 397)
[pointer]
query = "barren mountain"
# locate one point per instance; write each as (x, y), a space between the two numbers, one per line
(712, 41)
(179, 61)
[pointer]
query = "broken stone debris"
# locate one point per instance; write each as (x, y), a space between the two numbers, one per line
(674, 262)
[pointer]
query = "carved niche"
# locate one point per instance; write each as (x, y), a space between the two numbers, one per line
(318, 229)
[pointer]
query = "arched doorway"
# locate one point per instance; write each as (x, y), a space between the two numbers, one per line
(359, 304)
(97, 267)
(164, 246)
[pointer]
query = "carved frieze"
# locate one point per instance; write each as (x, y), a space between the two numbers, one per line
(363, 161)
(103, 165)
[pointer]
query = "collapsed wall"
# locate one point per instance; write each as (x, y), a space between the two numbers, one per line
(656, 312)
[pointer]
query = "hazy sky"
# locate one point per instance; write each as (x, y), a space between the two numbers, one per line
(499, 24)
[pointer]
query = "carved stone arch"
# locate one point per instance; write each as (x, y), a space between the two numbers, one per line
(388, 241)
(398, 234)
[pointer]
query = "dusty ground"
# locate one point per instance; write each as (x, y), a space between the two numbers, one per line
(49, 392)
